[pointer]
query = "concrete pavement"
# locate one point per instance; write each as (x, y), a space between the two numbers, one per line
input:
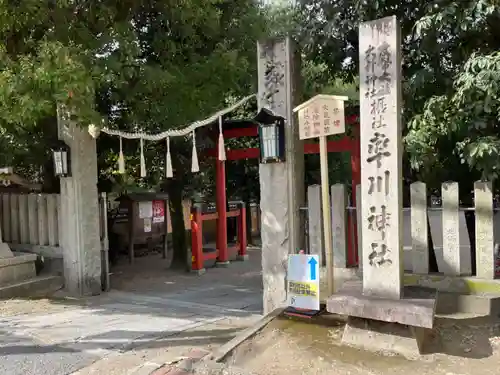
(122, 331)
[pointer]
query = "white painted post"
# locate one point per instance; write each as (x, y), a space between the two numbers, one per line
(52, 219)
(325, 210)
(419, 239)
(381, 157)
(43, 235)
(23, 220)
(485, 244)
(339, 225)
(314, 222)
(33, 219)
(451, 230)
(14, 218)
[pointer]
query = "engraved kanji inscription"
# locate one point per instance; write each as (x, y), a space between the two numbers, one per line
(380, 150)
(384, 28)
(378, 106)
(378, 122)
(371, 78)
(377, 148)
(379, 184)
(384, 62)
(379, 255)
(381, 28)
(379, 220)
(274, 76)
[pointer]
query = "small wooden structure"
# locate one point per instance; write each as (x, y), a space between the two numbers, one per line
(141, 221)
(11, 182)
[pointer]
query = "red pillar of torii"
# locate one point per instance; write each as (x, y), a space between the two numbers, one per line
(344, 144)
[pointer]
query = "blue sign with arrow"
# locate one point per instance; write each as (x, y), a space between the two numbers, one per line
(303, 281)
(312, 268)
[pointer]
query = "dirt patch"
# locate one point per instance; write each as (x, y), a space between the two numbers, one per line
(13, 307)
(285, 346)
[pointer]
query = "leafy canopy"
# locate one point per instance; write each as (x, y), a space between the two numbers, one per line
(451, 74)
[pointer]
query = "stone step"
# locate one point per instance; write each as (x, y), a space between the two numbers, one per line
(17, 268)
(452, 303)
(39, 286)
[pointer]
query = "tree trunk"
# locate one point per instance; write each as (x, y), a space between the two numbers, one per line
(179, 243)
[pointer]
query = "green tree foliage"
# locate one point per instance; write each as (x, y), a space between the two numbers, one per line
(451, 75)
(139, 65)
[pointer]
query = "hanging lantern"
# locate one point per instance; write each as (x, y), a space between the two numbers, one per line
(272, 142)
(271, 136)
(61, 157)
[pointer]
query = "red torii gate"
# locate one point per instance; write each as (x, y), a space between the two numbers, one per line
(238, 128)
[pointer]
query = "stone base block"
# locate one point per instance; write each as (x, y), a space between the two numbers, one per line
(379, 336)
(243, 257)
(18, 268)
(5, 251)
(40, 286)
(199, 272)
(222, 264)
(416, 308)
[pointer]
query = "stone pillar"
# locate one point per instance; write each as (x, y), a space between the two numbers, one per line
(281, 184)
(419, 240)
(339, 229)
(381, 158)
(485, 241)
(381, 318)
(79, 214)
(451, 229)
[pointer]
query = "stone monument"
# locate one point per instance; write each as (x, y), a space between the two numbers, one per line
(79, 215)
(381, 297)
(15, 267)
(281, 184)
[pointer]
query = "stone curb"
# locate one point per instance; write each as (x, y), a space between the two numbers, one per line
(220, 353)
(184, 366)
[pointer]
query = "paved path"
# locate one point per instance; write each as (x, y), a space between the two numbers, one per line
(71, 335)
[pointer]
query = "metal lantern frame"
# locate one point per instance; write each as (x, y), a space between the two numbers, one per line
(61, 156)
(271, 137)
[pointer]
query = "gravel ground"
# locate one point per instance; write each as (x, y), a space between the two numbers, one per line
(460, 347)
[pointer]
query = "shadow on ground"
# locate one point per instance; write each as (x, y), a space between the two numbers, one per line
(114, 340)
